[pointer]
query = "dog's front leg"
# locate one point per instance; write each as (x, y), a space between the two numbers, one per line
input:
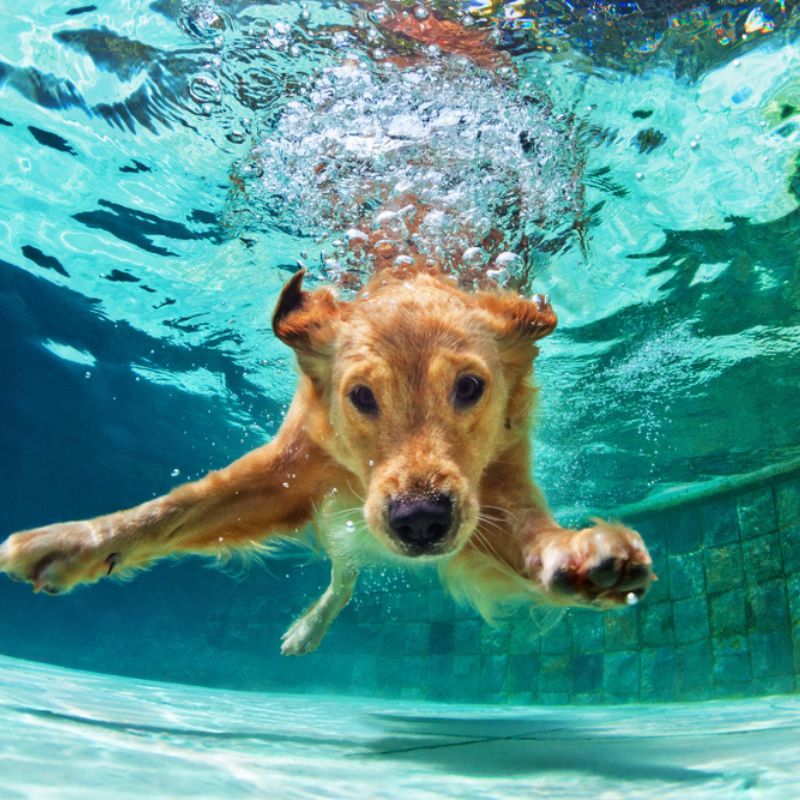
(271, 491)
(306, 633)
(603, 566)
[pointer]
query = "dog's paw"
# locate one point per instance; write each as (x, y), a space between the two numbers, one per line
(57, 557)
(604, 566)
(304, 636)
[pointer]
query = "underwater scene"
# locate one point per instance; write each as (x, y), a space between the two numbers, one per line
(168, 166)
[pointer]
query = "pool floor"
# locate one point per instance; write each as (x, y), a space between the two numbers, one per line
(67, 734)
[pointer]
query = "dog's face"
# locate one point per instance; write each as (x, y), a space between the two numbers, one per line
(415, 387)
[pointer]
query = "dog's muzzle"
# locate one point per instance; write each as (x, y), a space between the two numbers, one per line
(421, 523)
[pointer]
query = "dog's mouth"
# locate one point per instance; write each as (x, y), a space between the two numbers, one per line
(422, 524)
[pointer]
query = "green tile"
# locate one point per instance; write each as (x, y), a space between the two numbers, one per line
(414, 694)
(441, 638)
(416, 638)
(795, 641)
(440, 672)
(729, 645)
(720, 522)
(588, 630)
(762, 558)
(364, 676)
(771, 652)
(555, 674)
(659, 674)
(495, 641)
(691, 619)
(793, 591)
(493, 673)
(441, 607)
(652, 531)
(779, 684)
(525, 638)
(466, 677)
(522, 674)
(768, 605)
(684, 531)
(415, 606)
(732, 660)
(787, 502)
(621, 673)
(587, 699)
(695, 670)
(467, 637)
(724, 568)
(621, 698)
(734, 668)
(757, 513)
(558, 639)
(621, 629)
(790, 547)
(686, 576)
(587, 674)
(656, 625)
(733, 691)
(390, 674)
(415, 671)
(554, 699)
(728, 615)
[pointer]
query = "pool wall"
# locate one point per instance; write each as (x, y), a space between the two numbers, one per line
(723, 620)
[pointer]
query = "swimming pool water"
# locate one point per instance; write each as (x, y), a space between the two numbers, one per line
(74, 734)
(156, 163)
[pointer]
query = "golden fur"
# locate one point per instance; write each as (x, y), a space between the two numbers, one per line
(408, 440)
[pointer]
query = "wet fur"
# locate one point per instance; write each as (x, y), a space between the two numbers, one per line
(408, 336)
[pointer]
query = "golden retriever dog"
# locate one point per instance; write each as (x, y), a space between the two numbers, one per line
(408, 441)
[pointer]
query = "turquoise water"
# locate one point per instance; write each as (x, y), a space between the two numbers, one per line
(159, 185)
(99, 736)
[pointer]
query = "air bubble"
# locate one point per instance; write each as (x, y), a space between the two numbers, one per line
(380, 14)
(473, 256)
(204, 89)
(175, 472)
(508, 259)
(420, 12)
(350, 526)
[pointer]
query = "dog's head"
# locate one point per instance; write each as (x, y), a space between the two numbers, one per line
(415, 387)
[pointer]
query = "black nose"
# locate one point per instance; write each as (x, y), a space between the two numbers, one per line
(421, 520)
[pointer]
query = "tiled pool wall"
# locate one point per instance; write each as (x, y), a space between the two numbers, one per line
(722, 621)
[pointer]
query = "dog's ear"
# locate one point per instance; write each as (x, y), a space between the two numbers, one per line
(517, 322)
(306, 322)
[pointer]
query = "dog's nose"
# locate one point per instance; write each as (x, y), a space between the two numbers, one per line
(421, 520)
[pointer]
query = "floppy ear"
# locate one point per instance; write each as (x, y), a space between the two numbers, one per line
(306, 322)
(518, 323)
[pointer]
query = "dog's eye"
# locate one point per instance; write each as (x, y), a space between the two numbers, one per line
(363, 399)
(468, 391)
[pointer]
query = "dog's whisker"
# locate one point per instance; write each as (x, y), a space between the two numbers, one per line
(506, 511)
(485, 540)
(363, 500)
